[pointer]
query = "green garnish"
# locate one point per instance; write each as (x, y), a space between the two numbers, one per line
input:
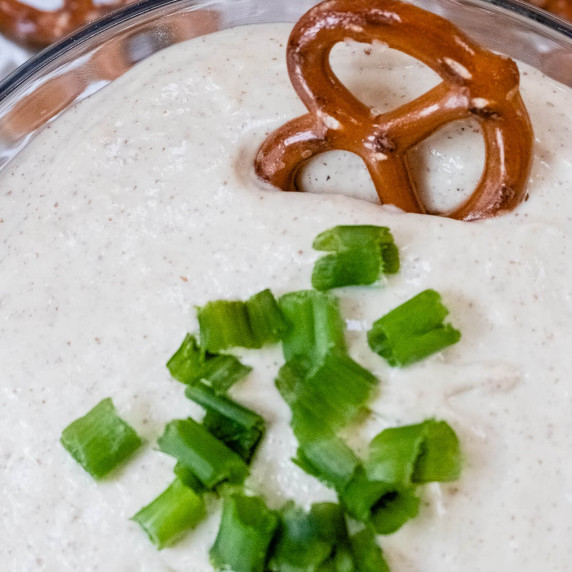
(308, 541)
(316, 326)
(246, 530)
(100, 440)
(174, 512)
(230, 323)
(360, 255)
(422, 453)
(237, 427)
(332, 394)
(188, 365)
(384, 506)
(368, 556)
(188, 478)
(329, 459)
(413, 330)
(193, 446)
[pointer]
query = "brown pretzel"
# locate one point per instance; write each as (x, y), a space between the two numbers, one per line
(38, 28)
(475, 83)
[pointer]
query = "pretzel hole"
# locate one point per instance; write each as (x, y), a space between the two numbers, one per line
(379, 76)
(447, 165)
(337, 173)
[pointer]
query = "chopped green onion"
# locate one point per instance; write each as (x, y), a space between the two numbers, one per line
(362, 254)
(328, 459)
(306, 541)
(224, 324)
(188, 478)
(421, 453)
(290, 378)
(316, 325)
(368, 556)
(333, 392)
(193, 446)
(100, 440)
(174, 512)
(251, 324)
(385, 506)
(237, 427)
(413, 330)
(348, 268)
(188, 365)
(246, 531)
(266, 319)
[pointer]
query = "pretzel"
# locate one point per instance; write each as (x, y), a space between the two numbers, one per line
(32, 27)
(476, 83)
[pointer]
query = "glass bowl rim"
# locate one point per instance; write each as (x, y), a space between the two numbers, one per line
(28, 69)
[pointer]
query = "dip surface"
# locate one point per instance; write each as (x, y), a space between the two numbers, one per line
(141, 203)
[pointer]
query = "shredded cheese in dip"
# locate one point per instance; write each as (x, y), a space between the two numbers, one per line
(141, 203)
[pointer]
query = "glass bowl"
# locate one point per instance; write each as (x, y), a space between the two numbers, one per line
(98, 54)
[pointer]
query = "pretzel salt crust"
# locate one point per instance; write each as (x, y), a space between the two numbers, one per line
(476, 83)
(32, 27)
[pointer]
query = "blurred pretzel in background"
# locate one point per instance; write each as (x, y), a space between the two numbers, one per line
(562, 8)
(35, 28)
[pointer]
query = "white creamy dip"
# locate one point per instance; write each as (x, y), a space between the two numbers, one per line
(141, 203)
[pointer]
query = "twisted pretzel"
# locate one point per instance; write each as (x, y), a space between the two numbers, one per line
(32, 27)
(476, 83)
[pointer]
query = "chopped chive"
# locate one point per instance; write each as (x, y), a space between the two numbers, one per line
(347, 237)
(188, 478)
(440, 458)
(308, 540)
(193, 446)
(368, 556)
(188, 365)
(384, 506)
(246, 531)
(348, 268)
(315, 325)
(266, 319)
(333, 392)
(174, 512)
(251, 324)
(328, 459)
(224, 324)
(361, 254)
(422, 453)
(290, 378)
(100, 440)
(237, 427)
(413, 330)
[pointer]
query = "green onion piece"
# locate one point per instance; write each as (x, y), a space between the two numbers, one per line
(348, 237)
(239, 428)
(188, 478)
(251, 324)
(224, 324)
(422, 453)
(333, 393)
(306, 541)
(188, 365)
(348, 268)
(328, 459)
(440, 458)
(368, 556)
(362, 254)
(171, 514)
(290, 378)
(193, 446)
(315, 325)
(246, 531)
(266, 319)
(413, 330)
(100, 440)
(384, 506)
